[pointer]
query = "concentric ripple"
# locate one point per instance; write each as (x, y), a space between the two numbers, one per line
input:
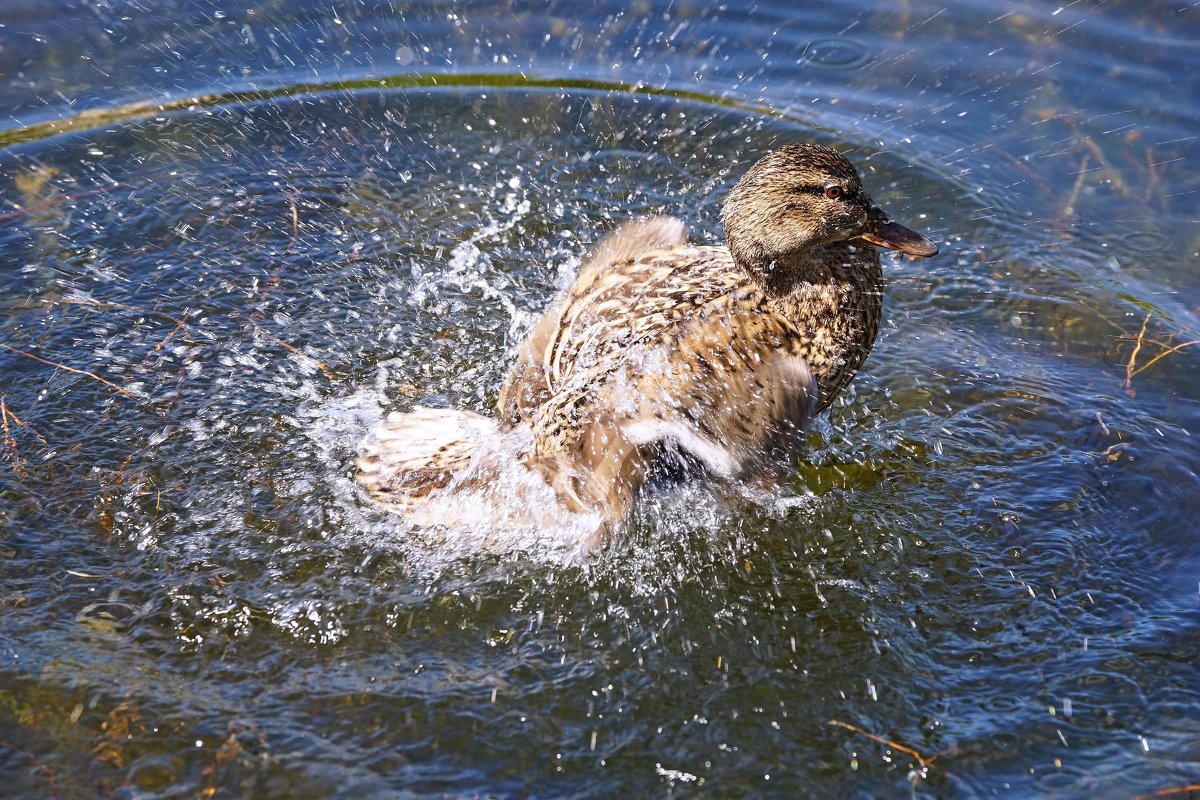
(207, 304)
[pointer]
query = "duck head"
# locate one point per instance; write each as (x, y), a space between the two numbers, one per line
(798, 199)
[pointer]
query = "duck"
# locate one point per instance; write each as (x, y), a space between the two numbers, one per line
(660, 350)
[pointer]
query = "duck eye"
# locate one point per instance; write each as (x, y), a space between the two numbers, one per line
(833, 192)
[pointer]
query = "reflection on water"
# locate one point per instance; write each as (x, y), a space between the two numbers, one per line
(293, 220)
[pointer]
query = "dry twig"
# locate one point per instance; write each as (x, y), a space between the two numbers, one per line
(290, 348)
(1193, 787)
(1166, 352)
(1069, 206)
(10, 444)
(922, 760)
(1165, 347)
(115, 387)
(1137, 347)
(80, 301)
(178, 326)
(1118, 181)
(8, 414)
(1152, 180)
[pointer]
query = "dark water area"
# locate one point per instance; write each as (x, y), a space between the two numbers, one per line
(231, 240)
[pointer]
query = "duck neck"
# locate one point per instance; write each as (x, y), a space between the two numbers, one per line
(833, 295)
(779, 276)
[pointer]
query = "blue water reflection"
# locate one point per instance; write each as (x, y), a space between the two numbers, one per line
(232, 238)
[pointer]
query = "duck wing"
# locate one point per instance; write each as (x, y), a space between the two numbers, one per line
(526, 386)
(722, 380)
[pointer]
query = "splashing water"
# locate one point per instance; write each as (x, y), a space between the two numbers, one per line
(985, 553)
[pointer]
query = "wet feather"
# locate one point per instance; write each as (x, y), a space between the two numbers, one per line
(721, 353)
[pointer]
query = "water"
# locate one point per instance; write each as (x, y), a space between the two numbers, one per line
(243, 235)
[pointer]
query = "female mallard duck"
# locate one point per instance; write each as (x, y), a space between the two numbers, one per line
(723, 353)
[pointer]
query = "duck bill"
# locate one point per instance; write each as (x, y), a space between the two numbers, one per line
(895, 236)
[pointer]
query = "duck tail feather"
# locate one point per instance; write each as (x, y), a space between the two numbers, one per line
(415, 453)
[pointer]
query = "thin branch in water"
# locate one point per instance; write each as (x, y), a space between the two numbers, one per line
(1152, 180)
(1161, 355)
(1099, 314)
(1137, 347)
(1069, 206)
(922, 760)
(116, 388)
(40, 768)
(180, 323)
(178, 326)
(1193, 787)
(1132, 368)
(10, 444)
(76, 301)
(291, 247)
(1024, 167)
(328, 372)
(8, 414)
(1118, 182)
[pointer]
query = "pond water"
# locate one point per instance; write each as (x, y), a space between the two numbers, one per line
(232, 239)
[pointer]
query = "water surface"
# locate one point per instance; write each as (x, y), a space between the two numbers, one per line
(231, 240)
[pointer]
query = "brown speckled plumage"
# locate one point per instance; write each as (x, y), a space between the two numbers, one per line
(724, 352)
